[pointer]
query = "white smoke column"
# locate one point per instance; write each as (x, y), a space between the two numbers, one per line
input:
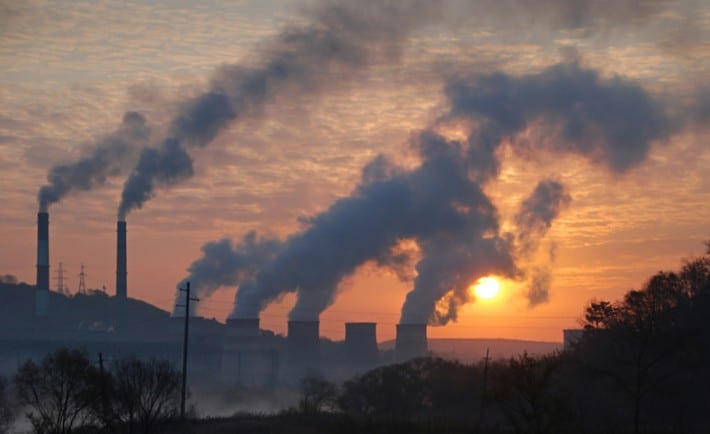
(225, 263)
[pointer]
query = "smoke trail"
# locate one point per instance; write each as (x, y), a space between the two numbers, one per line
(165, 165)
(534, 219)
(341, 40)
(390, 205)
(225, 263)
(441, 203)
(108, 158)
(538, 291)
(537, 213)
(609, 121)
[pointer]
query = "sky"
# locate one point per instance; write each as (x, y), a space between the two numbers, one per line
(289, 118)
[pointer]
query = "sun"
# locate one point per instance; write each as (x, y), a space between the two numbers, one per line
(486, 287)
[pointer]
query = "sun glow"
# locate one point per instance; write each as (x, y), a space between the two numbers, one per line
(486, 287)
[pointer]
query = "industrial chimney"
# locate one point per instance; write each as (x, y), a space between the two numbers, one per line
(121, 262)
(361, 344)
(411, 341)
(42, 287)
(303, 344)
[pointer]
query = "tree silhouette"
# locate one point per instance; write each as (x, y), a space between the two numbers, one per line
(144, 393)
(317, 394)
(58, 391)
(527, 391)
(7, 407)
(644, 343)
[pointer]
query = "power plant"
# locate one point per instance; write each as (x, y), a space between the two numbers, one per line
(239, 352)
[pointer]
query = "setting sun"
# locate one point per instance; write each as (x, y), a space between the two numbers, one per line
(486, 287)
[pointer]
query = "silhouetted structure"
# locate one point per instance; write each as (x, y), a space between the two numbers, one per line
(411, 341)
(121, 262)
(571, 337)
(303, 346)
(361, 344)
(248, 358)
(42, 288)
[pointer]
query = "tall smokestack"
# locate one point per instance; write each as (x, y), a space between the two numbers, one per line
(361, 344)
(121, 267)
(42, 288)
(304, 347)
(411, 341)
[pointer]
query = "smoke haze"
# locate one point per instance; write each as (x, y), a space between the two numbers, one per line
(109, 157)
(441, 204)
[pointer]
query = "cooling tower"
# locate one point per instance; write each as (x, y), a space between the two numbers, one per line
(42, 288)
(247, 357)
(121, 262)
(411, 341)
(361, 344)
(303, 347)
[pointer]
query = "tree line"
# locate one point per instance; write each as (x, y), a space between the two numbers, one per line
(66, 392)
(641, 365)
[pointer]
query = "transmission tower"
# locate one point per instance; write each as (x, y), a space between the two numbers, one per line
(82, 283)
(60, 280)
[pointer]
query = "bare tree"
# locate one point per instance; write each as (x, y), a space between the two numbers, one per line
(144, 393)
(527, 392)
(58, 390)
(7, 407)
(317, 394)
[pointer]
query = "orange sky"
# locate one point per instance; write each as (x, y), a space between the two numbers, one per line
(69, 73)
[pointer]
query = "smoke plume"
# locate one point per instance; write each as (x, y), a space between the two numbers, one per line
(537, 213)
(225, 263)
(341, 40)
(441, 203)
(109, 157)
(611, 121)
(533, 220)
(338, 41)
(390, 205)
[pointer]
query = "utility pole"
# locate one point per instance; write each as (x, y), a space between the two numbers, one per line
(104, 395)
(188, 299)
(482, 411)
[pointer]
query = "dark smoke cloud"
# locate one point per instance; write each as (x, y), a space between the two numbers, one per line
(609, 121)
(441, 203)
(109, 157)
(226, 263)
(341, 40)
(165, 165)
(389, 206)
(537, 213)
(533, 220)
(538, 291)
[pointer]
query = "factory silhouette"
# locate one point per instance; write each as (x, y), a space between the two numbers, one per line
(239, 351)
